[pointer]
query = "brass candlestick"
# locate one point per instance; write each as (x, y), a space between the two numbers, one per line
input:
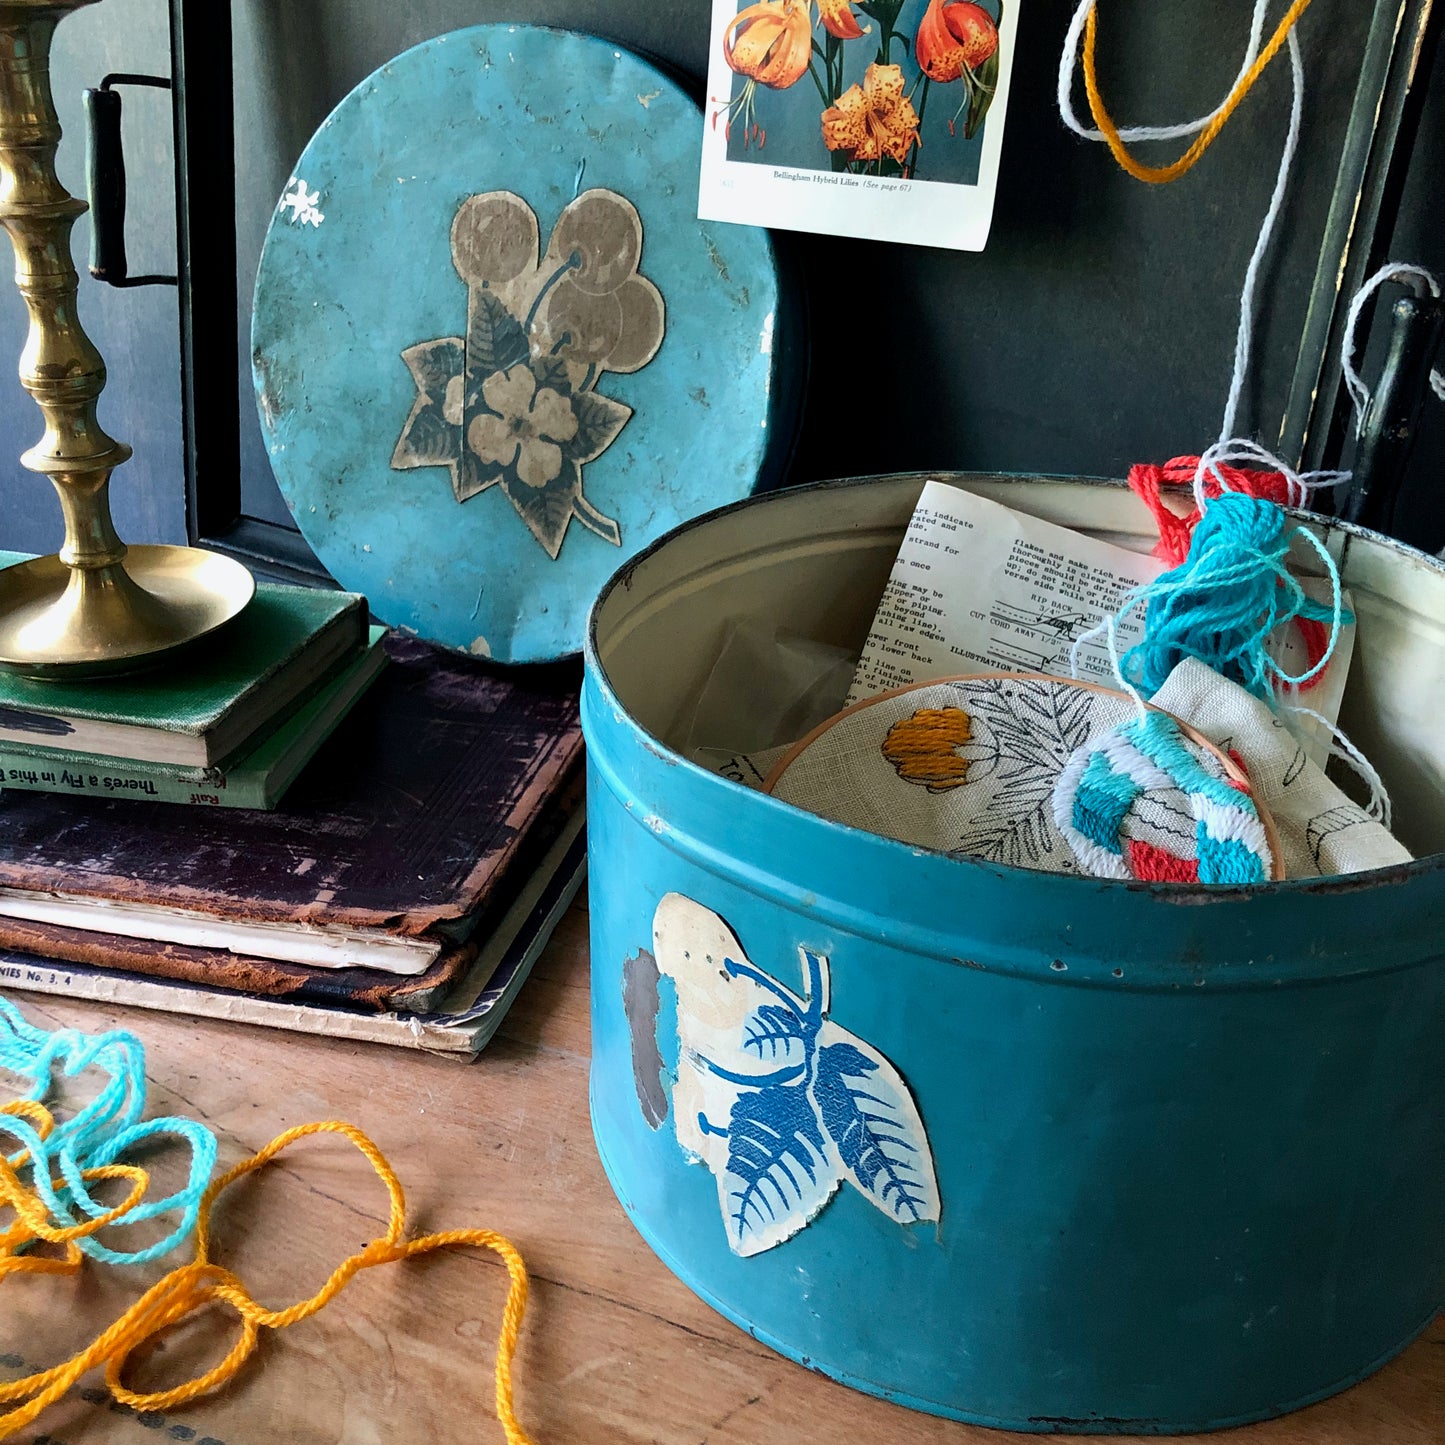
(97, 606)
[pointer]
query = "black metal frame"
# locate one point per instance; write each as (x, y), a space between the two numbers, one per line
(1394, 76)
(205, 214)
(1383, 120)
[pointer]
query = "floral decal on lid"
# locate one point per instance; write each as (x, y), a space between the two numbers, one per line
(514, 403)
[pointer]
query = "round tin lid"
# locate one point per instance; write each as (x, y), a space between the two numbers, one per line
(495, 352)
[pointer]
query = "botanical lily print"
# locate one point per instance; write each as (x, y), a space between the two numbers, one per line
(838, 19)
(954, 38)
(769, 43)
(874, 125)
(514, 402)
(960, 39)
(873, 120)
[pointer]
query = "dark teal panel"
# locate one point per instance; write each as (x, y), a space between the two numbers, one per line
(1096, 329)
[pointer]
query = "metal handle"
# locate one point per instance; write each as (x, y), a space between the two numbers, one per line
(1387, 434)
(105, 182)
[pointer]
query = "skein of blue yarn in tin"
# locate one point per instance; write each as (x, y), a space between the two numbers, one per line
(1226, 598)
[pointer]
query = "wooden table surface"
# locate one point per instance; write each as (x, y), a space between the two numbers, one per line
(614, 1348)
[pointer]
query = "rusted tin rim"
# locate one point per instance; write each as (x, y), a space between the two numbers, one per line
(1178, 893)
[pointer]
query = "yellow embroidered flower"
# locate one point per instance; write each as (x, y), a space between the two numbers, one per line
(529, 423)
(874, 119)
(925, 748)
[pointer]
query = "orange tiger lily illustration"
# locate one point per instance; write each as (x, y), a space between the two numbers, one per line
(954, 36)
(874, 119)
(769, 43)
(838, 19)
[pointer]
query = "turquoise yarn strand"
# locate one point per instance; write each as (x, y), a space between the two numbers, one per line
(1226, 598)
(101, 1132)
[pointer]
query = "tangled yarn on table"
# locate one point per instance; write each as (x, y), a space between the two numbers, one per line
(83, 1148)
(58, 1159)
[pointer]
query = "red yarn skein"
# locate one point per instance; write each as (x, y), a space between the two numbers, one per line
(1147, 481)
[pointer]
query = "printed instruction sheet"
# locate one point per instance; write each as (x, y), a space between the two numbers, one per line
(979, 587)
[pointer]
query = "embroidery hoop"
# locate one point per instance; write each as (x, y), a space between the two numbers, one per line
(1232, 769)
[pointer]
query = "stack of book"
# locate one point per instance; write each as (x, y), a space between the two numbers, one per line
(429, 838)
(231, 724)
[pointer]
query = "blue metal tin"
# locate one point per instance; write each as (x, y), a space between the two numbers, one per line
(1165, 1158)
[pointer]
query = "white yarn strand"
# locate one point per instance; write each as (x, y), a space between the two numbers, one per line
(1098, 630)
(1391, 271)
(1069, 61)
(1106, 629)
(1300, 486)
(1245, 335)
(1378, 806)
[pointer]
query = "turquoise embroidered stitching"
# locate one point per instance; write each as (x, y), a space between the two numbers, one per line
(1101, 802)
(1156, 735)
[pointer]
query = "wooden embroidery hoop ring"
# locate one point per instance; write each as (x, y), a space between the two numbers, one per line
(1231, 768)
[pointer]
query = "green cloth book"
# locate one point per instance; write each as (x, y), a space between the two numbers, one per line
(208, 704)
(256, 779)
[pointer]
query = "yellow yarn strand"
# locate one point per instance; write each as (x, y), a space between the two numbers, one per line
(1160, 175)
(192, 1286)
(32, 1217)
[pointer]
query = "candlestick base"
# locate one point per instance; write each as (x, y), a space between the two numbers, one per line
(58, 621)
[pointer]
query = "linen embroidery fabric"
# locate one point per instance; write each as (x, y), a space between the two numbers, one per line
(1005, 768)
(1320, 831)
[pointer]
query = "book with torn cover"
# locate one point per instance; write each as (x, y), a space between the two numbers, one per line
(356, 990)
(383, 858)
(467, 1015)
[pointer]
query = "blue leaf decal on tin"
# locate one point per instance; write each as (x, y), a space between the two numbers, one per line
(780, 1103)
(870, 1116)
(779, 1170)
(774, 1032)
